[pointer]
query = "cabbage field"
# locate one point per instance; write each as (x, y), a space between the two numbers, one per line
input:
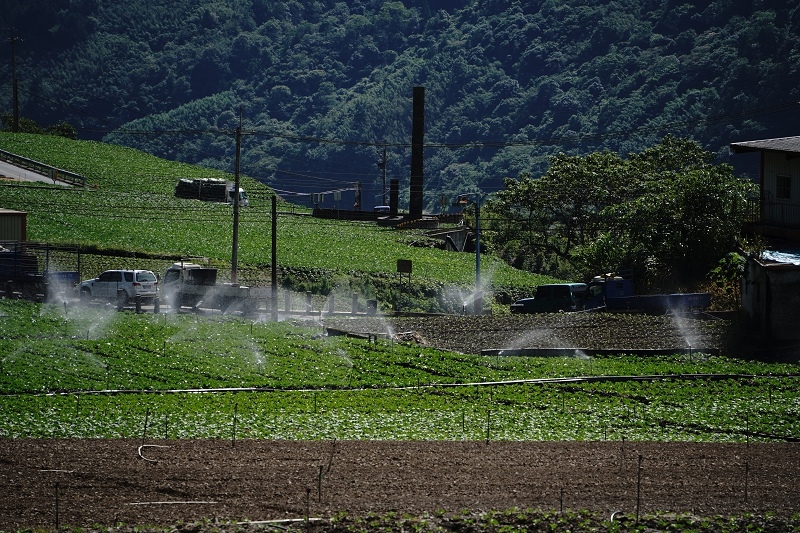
(90, 371)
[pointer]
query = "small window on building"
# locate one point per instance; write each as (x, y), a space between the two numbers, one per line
(783, 187)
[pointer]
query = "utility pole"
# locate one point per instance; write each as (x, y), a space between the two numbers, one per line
(235, 251)
(274, 276)
(14, 84)
(357, 202)
(463, 200)
(382, 167)
(478, 287)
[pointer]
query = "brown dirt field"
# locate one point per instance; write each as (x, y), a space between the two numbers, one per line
(471, 334)
(106, 482)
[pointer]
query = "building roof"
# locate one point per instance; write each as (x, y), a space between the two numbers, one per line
(781, 144)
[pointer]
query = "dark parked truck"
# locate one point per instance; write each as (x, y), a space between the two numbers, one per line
(21, 274)
(616, 294)
(553, 298)
(608, 293)
(191, 285)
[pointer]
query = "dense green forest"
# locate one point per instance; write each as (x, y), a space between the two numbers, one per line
(322, 87)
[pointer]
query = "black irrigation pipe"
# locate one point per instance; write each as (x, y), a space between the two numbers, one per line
(536, 381)
(585, 352)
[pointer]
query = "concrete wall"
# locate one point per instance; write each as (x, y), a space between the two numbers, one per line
(771, 298)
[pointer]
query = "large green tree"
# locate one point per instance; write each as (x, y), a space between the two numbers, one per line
(667, 214)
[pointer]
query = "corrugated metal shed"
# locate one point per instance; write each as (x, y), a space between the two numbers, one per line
(13, 225)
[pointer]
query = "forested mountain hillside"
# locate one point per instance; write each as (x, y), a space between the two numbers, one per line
(322, 87)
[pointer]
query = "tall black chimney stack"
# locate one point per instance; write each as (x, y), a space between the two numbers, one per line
(415, 200)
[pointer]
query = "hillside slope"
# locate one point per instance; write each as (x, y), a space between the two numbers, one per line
(129, 210)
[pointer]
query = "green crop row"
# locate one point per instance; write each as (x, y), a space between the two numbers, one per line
(513, 412)
(92, 372)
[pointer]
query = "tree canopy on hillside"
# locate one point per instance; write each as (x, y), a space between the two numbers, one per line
(323, 85)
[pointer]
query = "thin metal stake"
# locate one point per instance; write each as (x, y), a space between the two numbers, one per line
(57, 524)
(319, 485)
(308, 503)
(746, 480)
(146, 418)
(235, 407)
(638, 488)
(747, 429)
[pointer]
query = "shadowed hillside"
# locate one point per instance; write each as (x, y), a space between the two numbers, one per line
(322, 86)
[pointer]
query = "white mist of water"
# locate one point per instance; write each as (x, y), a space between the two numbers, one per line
(545, 339)
(538, 338)
(340, 296)
(255, 356)
(683, 324)
(484, 291)
(85, 321)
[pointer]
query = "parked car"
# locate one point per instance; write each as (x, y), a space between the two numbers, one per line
(553, 298)
(123, 285)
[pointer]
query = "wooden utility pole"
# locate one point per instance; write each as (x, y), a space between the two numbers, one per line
(235, 251)
(274, 278)
(14, 85)
(382, 167)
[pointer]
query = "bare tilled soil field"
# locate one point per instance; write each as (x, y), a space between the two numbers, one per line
(216, 485)
(589, 331)
(81, 483)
